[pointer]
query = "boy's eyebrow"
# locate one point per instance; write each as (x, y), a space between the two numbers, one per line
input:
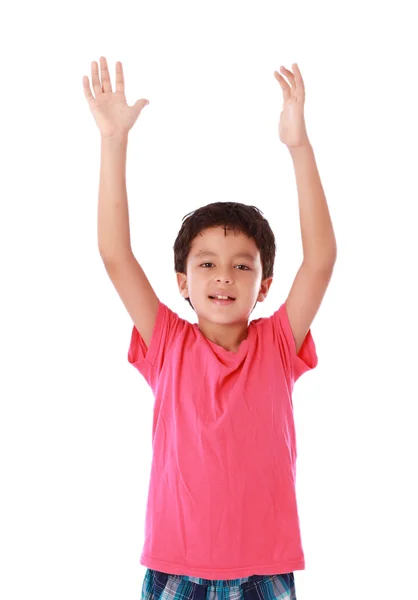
(246, 255)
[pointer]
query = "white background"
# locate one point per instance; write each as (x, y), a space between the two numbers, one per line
(75, 422)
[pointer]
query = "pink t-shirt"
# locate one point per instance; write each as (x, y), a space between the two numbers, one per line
(222, 499)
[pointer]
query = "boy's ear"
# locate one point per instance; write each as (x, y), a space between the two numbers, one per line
(267, 283)
(182, 283)
(264, 289)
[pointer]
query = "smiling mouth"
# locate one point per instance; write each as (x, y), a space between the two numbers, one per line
(221, 302)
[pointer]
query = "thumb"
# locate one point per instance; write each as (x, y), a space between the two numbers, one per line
(139, 105)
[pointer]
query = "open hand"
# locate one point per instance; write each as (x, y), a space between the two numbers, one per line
(110, 110)
(292, 128)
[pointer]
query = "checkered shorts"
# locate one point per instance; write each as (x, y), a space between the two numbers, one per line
(163, 586)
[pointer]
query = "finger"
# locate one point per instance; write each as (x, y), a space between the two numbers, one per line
(298, 78)
(289, 75)
(106, 83)
(97, 86)
(120, 81)
(87, 88)
(284, 85)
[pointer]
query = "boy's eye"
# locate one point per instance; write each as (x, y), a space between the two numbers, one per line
(208, 263)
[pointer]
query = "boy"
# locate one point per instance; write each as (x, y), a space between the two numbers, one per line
(221, 511)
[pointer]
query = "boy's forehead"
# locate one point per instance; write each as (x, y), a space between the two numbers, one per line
(212, 242)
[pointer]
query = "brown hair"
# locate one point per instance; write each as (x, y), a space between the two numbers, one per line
(232, 216)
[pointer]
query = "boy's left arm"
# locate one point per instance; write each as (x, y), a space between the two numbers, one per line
(319, 245)
(318, 239)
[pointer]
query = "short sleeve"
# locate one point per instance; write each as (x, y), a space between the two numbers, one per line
(296, 364)
(167, 330)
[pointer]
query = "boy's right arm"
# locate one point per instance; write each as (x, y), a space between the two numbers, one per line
(125, 272)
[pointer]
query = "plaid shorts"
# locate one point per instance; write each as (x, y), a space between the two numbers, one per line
(163, 586)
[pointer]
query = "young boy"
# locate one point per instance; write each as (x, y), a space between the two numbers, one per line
(222, 511)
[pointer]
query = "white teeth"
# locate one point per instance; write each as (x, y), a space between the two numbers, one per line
(221, 297)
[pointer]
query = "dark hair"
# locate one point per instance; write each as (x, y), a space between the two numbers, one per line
(232, 216)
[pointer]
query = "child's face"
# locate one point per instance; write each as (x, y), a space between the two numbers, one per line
(226, 269)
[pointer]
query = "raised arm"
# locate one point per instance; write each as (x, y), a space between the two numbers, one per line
(115, 119)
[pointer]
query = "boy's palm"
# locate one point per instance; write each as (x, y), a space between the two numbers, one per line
(110, 110)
